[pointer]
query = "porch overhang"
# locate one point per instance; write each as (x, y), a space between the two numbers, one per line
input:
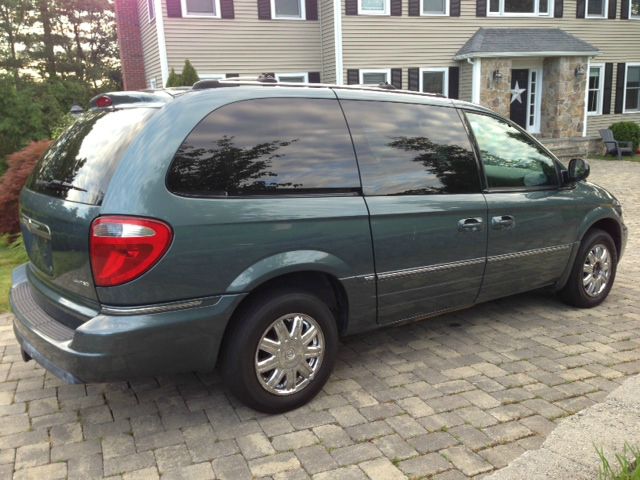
(524, 42)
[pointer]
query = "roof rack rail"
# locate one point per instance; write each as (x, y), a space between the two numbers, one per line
(231, 81)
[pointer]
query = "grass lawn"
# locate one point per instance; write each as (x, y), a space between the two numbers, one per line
(11, 255)
(634, 158)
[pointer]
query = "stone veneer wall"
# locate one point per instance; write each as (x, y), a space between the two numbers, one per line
(496, 95)
(562, 109)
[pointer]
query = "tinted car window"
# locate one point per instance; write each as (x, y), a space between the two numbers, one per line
(267, 146)
(407, 149)
(79, 166)
(510, 157)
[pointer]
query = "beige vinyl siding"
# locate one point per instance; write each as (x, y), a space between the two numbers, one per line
(466, 78)
(328, 74)
(150, 51)
(388, 42)
(243, 45)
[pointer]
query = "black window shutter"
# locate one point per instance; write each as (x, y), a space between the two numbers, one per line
(311, 9)
(624, 9)
(226, 9)
(454, 82)
(454, 8)
(481, 8)
(620, 81)
(264, 9)
(414, 8)
(174, 9)
(396, 8)
(606, 92)
(396, 77)
(414, 79)
(612, 9)
(353, 76)
(558, 8)
(314, 77)
(580, 6)
(232, 75)
(351, 7)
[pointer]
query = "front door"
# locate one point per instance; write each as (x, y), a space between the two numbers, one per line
(519, 96)
(532, 222)
(426, 209)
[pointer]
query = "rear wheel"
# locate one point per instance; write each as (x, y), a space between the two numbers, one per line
(280, 351)
(593, 271)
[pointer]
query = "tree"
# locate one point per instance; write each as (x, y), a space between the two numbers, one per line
(189, 74)
(174, 79)
(16, 19)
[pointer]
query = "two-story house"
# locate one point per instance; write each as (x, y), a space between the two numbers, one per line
(559, 68)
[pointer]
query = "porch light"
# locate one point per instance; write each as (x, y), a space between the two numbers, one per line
(497, 76)
(579, 71)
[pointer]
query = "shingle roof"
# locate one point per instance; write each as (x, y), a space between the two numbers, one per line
(519, 42)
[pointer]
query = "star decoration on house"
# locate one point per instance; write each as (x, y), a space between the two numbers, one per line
(516, 93)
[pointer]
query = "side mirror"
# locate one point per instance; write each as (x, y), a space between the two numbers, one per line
(578, 169)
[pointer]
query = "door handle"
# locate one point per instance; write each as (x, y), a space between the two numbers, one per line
(470, 224)
(503, 222)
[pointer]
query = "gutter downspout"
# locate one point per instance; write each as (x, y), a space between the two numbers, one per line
(337, 35)
(475, 79)
(162, 45)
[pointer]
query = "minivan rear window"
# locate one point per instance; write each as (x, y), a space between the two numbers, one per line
(80, 164)
(272, 146)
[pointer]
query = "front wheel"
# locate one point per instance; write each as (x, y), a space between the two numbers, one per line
(280, 351)
(593, 272)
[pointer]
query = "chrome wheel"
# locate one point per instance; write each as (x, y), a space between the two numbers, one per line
(289, 354)
(596, 270)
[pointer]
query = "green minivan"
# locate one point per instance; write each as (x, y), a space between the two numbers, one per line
(250, 224)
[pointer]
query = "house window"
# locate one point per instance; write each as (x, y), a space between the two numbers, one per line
(597, 8)
(520, 7)
(373, 7)
(288, 9)
(434, 7)
(634, 9)
(375, 77)
(434, 80)
(595, 90)
(153, 84)
(293, 77)
(201, 8)
(632, 88)
(151, 9)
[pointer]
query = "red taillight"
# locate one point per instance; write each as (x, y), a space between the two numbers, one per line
(103, 101)
(123, 248)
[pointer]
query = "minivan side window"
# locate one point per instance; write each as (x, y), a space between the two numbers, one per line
(411, 149)
(511, 159)
(265, 147)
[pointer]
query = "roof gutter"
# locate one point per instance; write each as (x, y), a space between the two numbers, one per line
(466, 56)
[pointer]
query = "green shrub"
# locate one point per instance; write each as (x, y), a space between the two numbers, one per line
(189, 74)
(627, 132)
(174, 79)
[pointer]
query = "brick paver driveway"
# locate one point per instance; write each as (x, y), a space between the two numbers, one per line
(452, 397)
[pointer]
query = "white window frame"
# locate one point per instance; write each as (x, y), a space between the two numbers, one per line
(153, 83)
(605, 10)
(304, 75)
(445, 78)
(212, 76)
(185, 12)
(151, 10)
(435, 14)
(632, 17)
(535, 13)
(364, 71)
(303, 12)
(385, 11)
(537, 107)
(600, 67)
(624, 97)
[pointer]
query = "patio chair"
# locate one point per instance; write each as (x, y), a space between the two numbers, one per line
(613, 146)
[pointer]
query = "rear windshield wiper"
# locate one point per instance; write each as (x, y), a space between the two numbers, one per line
(59, 184)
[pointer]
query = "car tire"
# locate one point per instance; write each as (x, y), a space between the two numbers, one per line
(262, 323)
(582, 288)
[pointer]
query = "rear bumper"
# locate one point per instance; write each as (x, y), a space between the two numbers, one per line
(117, 347)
